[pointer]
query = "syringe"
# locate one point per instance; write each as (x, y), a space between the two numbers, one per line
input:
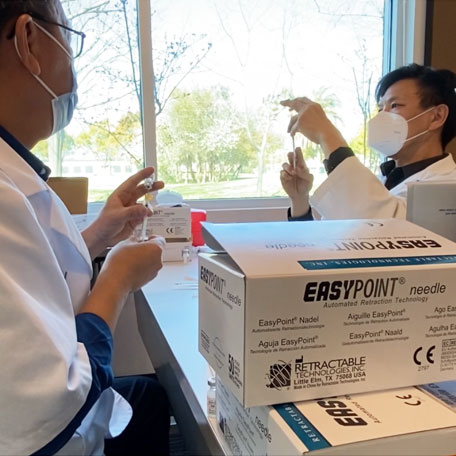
(294, 152)
(149, 197)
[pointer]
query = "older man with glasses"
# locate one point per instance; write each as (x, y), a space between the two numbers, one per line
(56, 333)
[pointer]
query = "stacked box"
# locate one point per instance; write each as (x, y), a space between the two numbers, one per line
(406, 421)
(174, 224)
(445, 392)
(297, 311)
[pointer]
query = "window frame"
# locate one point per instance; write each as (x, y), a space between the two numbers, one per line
(404, 33)
(403, 43)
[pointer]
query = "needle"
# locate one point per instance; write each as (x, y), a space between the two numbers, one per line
(294, 151)
(143, 236)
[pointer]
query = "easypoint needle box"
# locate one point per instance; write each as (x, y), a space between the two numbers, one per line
(170, 222)
(406, 421)
(290, 311)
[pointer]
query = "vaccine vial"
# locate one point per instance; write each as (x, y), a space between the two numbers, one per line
(211, 405)
(150, 199)
(186, 255)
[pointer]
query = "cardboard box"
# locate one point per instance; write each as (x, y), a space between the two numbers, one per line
(432, 205)
(73, 191)
(177, 251)
(170, 222)
(296, 311)
(404, 421)
(445, 392)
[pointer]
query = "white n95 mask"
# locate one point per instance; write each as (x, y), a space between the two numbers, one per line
(387, 132)
(63, 106)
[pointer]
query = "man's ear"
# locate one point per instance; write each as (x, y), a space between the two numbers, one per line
(27, 43)
(440, 114)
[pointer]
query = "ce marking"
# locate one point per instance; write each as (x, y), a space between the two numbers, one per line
(429, 355)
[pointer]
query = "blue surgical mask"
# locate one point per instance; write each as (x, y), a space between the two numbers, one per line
(63, 106)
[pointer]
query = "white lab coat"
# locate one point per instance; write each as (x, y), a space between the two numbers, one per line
(351, 191)
(45, 272)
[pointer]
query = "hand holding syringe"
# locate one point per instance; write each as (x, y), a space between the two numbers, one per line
(297, 181)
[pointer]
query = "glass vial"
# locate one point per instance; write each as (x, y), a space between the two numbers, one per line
(186, 255)
(211, 405)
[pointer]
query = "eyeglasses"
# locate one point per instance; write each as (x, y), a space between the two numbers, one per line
(75, 39)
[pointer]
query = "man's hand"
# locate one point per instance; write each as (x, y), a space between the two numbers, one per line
(133, 264)
(120, 215)
(313, 123)
(297, 182)
(128, 266)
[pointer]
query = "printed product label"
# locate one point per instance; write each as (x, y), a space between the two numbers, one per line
(340, 330)
(170, 223)
(348, 263)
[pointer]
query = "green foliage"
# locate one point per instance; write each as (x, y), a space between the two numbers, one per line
(97, 139)
(114, 142)
(41, 150)
(202, 138)
(240, 188)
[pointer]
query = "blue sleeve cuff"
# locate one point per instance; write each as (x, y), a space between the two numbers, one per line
(302, 218)
(94, 333)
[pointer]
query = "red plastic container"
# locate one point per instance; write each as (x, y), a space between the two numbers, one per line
(198, 216)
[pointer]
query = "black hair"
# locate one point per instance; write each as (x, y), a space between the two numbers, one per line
(11, 9)
(437, 87)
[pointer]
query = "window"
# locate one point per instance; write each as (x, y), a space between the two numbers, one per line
(206, 110)
(221, 69)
